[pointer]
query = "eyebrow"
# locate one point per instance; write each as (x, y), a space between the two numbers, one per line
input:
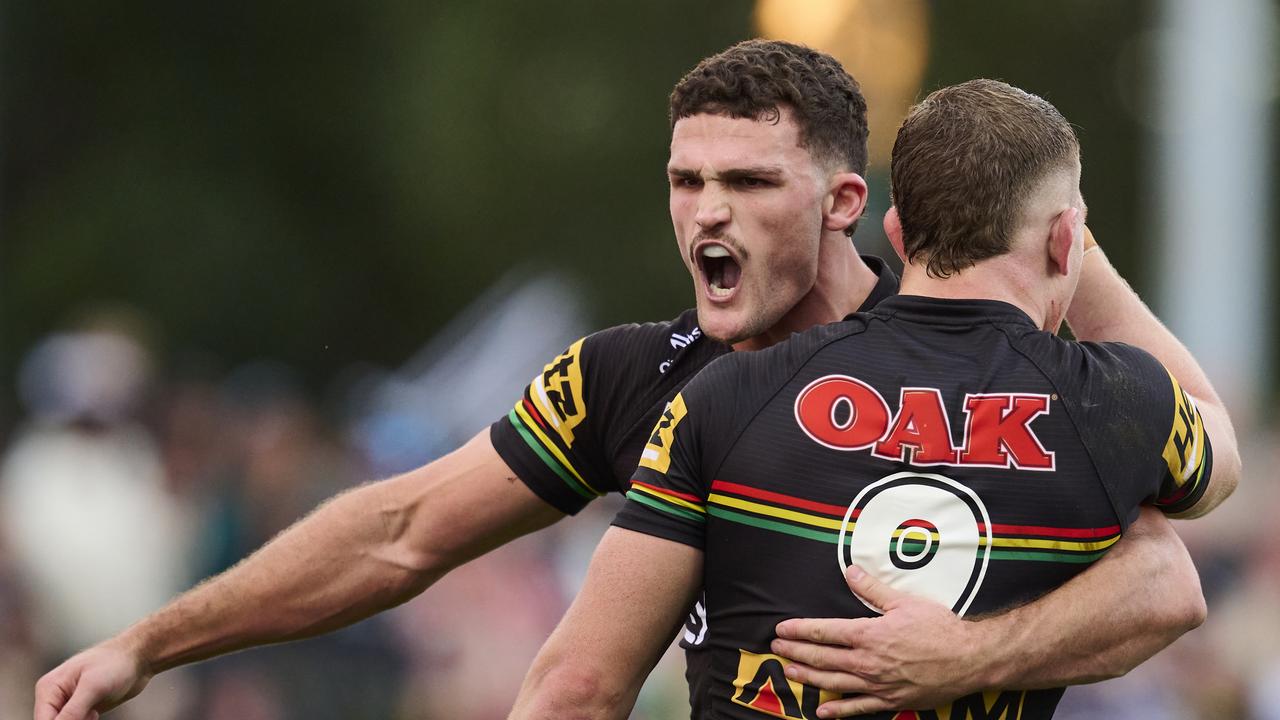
(760, 171)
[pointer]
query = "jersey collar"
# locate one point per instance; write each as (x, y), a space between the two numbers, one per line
(940, 311)
(886, 283)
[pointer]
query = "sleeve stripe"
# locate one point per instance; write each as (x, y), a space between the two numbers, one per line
(579, 486)
(653, 489)
(551, 447)
(668, 509)
(1190, 492)
(666, 497)
(533, 412)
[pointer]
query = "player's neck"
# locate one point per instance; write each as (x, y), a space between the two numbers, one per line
(1001, 278)
(843, 284)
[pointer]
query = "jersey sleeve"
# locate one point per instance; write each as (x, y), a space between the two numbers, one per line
(668, 495)
(549, 437)
(669, 488)
(1145, 432)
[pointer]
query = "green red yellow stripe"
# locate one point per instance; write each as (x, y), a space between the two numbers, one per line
(800, 517)
(549, 453)
(668, 501)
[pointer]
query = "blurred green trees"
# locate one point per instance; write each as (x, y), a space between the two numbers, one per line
(330, 182)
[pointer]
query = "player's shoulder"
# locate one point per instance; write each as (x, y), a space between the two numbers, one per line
(653, 346)
(762, 372)
(1105, 367)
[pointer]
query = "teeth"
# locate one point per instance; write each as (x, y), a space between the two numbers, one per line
(715, 251)
(718, 291)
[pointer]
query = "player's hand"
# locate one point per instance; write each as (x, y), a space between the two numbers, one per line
(918, 654)
(90, 683)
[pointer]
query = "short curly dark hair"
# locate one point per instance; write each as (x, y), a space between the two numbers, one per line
(756, 78)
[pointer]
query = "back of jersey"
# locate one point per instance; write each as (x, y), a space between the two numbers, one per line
(949, 448)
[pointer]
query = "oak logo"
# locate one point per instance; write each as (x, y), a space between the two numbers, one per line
(558, 393)
(844, 413)
(657, 452)
(762, 685)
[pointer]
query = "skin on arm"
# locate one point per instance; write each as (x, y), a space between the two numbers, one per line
(364, 551)
(636, 594)
(1141, 596)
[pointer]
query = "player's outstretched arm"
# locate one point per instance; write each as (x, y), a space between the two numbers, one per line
(1100, 624)
(364, 551)
(635, 596)
(1106, 309)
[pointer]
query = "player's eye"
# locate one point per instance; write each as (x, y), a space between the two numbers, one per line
(750, 182)
(685, 182)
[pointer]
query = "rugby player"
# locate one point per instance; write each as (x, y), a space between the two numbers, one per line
(768, 150)
(947, 442)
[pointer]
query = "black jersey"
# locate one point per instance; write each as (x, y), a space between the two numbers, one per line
(950, 448)
(581, 426)
(578, 431)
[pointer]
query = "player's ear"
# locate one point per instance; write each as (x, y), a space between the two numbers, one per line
(893, 229)
(845, 201)
(1062, 238)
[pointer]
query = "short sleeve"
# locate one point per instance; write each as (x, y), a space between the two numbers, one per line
(547, 438)
(1143, 430)
(1187, 455)
(668, 492)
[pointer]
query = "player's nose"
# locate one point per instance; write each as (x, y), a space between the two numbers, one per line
(713, 209)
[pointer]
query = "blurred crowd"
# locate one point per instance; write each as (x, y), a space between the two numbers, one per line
(124, 483)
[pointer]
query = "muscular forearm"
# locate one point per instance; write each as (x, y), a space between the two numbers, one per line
(362, 552)
(595, 662)
(1128, 606)
(1106, 309)
(329, 569)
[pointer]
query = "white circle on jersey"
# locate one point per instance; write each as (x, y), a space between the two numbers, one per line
(920, 533)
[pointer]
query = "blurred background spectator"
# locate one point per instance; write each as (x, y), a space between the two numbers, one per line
(252, 256)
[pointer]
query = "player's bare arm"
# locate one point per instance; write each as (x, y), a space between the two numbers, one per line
(634, 599)
(1105, 308)
(1099, 625)
(364, 551)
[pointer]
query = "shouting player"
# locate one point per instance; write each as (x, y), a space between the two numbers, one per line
(767, 155)
(947, 442)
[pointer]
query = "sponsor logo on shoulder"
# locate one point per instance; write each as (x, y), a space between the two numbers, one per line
(679, 341)
(1184, 450)
(657, 452)
(558, 393)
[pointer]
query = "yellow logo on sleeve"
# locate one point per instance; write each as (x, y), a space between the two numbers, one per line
(558, 393)
(1184, 450)
(657, 452)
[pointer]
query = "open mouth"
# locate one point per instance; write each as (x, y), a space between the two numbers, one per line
(720, 271)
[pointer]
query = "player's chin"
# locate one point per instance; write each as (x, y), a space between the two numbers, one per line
(724, 324)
